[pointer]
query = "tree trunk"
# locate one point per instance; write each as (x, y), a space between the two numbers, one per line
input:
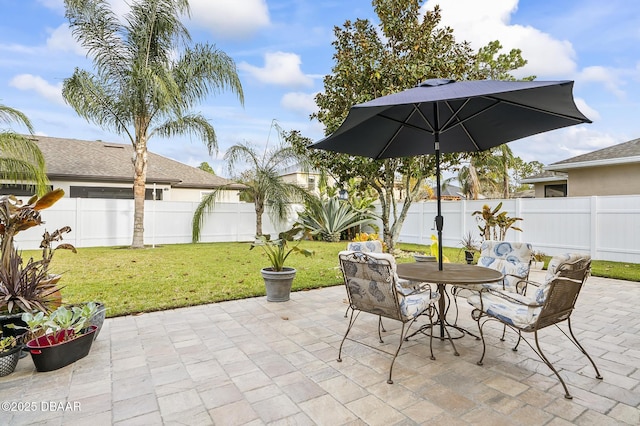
(259, 210)
(139, 179)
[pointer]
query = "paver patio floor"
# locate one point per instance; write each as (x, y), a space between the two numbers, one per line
(254, 362)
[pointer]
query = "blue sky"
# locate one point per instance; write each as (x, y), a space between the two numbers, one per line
(283, 49)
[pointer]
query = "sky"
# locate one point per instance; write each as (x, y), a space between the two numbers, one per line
(282, 49)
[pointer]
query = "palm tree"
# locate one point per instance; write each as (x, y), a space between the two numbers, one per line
(265, 187)
(21, 159)
(147, 79)
(503, 160)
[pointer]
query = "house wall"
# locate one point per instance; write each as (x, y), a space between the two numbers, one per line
(168, 193)
(620, 179)
(195, 194)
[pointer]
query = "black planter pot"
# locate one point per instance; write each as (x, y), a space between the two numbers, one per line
(9, 360)
(468, 256)
(48, 357)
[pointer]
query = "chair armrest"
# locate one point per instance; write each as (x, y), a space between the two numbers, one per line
(521, 286)
(516, 298)
(416, 287)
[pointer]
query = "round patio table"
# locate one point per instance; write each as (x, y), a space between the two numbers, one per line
(456, 274)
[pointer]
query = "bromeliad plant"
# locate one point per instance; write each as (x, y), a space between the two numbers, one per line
(27, 287)
(278, 250)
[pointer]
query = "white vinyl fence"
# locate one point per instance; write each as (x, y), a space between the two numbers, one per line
(605, 227)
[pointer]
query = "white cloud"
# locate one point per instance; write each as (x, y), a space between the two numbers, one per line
(61, 39)
(482, 21)
(230, 18)
(299, 102)
(57, 5)
(584, 108)
(280, 68)
(40, 86)
(607, 76)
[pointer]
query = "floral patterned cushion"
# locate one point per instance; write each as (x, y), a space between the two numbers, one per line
(520, 316)
(373, 286)
(374, 246)
(543, 289)
(511, 258)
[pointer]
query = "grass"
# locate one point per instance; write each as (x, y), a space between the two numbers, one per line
(133, 281)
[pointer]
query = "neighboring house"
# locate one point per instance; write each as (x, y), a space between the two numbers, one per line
(96, 169)
(609, 171)
(307, 179)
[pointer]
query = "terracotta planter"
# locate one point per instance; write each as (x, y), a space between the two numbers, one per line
(52, 352)
(278, 283)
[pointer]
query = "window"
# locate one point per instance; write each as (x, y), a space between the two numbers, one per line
(18, 190)
(110, 192)
(311, 183)
(558, 190)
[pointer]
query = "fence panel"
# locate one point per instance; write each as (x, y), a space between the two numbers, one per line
(605, 227)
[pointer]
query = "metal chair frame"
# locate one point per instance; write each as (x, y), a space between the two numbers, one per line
(385, 280)
(556, 308)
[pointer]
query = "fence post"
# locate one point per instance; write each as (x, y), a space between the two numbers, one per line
(593, 237)
(519, 214)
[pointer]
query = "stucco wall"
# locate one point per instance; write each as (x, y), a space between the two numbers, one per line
(622, 179)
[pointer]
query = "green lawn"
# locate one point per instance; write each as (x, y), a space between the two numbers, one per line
(131, 281)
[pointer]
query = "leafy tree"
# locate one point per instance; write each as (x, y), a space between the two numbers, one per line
(522, 169)
(265, 186)
(204, 166)
(21, 159)
(147, 78)
(404, 49)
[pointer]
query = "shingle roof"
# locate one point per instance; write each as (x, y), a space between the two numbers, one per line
(620, 151)
(111, 162)
(545, 176)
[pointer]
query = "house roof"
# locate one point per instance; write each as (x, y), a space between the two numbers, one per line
(623, 153)
(74, 159)
(545, 176)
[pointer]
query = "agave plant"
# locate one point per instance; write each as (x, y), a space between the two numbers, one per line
(330, 217)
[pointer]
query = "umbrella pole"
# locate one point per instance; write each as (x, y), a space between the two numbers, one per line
(439, 217)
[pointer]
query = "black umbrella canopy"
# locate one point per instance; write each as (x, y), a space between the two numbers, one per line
(447, 116)
(471, 116)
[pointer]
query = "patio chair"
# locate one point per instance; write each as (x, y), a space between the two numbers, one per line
(372, 286)
(374, 246)
(551, 304)
(511, 258)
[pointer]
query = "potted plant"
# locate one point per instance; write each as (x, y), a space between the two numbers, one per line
(61, 337)
(538, 260)
(470, 246)
(27, 286)
(9, 354)
(278, 278)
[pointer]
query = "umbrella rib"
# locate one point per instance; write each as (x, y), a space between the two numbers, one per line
(405, 124)
(532, 108)
(461, 122)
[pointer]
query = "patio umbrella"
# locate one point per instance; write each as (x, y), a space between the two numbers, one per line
(445, 116)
